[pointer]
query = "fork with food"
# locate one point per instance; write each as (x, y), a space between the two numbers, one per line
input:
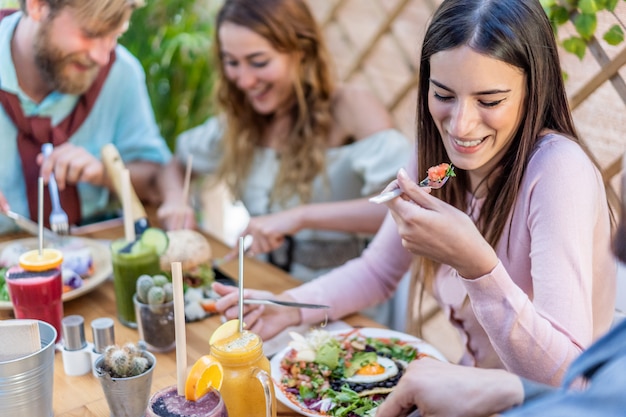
(437, 176)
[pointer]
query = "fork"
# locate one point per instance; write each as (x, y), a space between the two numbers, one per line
(390, 195)
(59, 222)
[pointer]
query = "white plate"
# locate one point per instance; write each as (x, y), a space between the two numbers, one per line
(421, 346)
(101, 256)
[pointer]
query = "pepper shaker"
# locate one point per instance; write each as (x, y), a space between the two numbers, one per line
(103, 332)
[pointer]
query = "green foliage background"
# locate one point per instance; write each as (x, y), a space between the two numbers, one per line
(172, 39)
(583, 14)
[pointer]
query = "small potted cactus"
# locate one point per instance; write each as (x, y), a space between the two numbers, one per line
(125, 373)
(154, 310)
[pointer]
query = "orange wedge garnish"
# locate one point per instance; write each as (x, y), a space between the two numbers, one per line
(49, 258)
(205, 374)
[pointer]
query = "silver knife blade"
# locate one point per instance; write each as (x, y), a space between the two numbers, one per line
(30, 226)
(283, 303)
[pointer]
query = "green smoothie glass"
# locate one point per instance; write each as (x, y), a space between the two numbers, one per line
(130, 261)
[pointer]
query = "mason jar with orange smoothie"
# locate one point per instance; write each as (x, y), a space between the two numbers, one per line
(240, 371)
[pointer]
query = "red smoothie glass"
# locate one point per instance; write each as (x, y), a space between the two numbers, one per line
(36, 287)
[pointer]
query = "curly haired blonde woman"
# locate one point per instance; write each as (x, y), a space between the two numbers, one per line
(301, 152)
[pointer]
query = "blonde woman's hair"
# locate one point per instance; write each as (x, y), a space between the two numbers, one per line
(290, 28)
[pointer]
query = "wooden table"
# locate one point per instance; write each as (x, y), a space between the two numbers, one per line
(82, 396)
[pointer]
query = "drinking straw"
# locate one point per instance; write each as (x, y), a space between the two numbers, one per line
(186, 185)
(40, 213)
(129, 227)
(179, 326)
(241, 284)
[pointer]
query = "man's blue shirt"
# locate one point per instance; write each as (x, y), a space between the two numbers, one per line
(603, 366)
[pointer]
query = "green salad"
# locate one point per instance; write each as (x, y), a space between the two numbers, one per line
(345, 376)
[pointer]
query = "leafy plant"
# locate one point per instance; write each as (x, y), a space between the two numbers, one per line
(172, 40)
(9, 4)
(584, 15)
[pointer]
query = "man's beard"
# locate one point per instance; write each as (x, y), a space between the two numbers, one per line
(55, 66)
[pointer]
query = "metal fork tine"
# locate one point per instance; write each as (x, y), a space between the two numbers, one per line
(59, 221)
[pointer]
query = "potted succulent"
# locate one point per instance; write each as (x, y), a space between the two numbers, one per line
(154, 310)
(125, 373)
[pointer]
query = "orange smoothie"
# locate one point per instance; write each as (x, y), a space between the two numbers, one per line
(245, 367)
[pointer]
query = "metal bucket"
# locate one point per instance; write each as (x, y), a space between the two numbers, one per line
(26, 383)
(127, 397)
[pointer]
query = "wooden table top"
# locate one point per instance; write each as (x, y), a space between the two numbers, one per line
(82, 396)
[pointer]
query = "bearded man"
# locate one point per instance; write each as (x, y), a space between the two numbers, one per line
(65, 80)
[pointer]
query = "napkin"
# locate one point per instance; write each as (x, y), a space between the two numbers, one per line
(19, 338)
(281, 340)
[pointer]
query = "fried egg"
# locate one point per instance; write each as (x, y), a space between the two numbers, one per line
(382, 369)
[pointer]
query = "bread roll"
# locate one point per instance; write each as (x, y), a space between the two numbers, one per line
(188, 247)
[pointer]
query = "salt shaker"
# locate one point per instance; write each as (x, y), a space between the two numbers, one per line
(103, 332)
(76, 352)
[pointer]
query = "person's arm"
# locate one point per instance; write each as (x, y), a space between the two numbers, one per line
(553, 291)
(355, 216)
(199, 144)
(442, 389)
(174, 212)
(359, 283)
(351, 216)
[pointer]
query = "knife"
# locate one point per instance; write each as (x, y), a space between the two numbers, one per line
(114, 165)
(30, 226)
(283, 303)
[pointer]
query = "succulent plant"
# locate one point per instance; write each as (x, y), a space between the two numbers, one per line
(154, 290)
(124, 361)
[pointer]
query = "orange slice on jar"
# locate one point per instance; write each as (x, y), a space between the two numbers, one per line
(225, 331)
(48, 259)
(205, 374)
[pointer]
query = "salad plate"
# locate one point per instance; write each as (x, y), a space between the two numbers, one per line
(292, 399)
(100, 258)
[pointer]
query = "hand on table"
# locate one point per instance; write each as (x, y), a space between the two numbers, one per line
(442, 389)
(452, 237)
(264, 320)
(71, 164)
(269, 230)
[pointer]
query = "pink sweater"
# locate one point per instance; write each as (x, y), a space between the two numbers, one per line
(550, 296)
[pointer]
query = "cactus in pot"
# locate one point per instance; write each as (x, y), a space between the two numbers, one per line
(154, 309)
(124, 361)
(125, 374)
(154, 290)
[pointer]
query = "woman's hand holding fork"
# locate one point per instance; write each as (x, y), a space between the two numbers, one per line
(434, 229)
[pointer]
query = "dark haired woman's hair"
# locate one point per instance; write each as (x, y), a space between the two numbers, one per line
(619, 240)
(289, 27)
